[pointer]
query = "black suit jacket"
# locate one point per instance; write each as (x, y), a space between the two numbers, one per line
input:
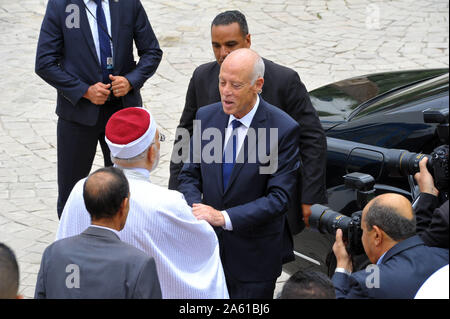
(284, 89)
(66, 57)
(256, 203)
(432, 220)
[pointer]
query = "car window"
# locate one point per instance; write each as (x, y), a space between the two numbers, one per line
(423, 91)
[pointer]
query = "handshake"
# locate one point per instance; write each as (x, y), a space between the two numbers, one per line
(99, 92)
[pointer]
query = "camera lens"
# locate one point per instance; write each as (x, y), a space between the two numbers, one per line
(328, 221)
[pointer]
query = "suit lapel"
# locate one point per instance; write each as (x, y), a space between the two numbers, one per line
(114, 9)
(222, 123)
(86, 30)
(258, 121)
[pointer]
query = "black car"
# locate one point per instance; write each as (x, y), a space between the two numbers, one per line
(383, 110)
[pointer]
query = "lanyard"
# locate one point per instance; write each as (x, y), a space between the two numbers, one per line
(99, 24)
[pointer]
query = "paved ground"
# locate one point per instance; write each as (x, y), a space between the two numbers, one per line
(324, 40)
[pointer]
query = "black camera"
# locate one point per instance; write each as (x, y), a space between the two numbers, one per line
(328, 221)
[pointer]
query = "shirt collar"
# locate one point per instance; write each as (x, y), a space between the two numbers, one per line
(145, 173)
(381, 259)
(247, 119)
(107, 228)
(87, 1)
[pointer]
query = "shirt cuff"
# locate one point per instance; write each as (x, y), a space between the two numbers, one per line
(228, 225)
(342, 270)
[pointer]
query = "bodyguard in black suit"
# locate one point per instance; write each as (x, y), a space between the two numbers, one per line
(246, 202)
(85, 51)
(282, 88)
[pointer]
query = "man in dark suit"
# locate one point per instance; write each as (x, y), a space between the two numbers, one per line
(431, 215)
(282, 88)
(401, 260)
(246, 192)
(97, 264)
(85, 51)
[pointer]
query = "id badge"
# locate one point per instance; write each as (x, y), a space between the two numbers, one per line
(109, 63)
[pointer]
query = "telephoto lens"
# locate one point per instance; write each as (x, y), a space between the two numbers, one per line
(328, 221)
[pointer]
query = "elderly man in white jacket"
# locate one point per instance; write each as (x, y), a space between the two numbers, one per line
(160, 222)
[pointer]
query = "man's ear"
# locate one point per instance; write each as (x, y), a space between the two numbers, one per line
(248, 40)
(150, 152)
(378, 236)
(259, 83)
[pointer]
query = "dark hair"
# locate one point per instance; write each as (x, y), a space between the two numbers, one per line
(9, 273)
(229, 17)
(308, 285)
(390, 221)
(104, 191)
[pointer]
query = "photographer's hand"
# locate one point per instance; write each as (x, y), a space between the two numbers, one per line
(342, 257)
(425, 180)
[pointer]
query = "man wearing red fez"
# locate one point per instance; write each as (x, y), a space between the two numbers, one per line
(160, 222)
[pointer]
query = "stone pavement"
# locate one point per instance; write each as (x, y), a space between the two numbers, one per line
(324, 40)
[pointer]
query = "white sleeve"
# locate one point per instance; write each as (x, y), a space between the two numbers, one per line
(74, 218)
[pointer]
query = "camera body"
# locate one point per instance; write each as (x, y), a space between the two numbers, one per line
(328, 221)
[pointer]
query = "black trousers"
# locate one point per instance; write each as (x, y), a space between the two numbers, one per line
(249, 290)
(76, 148)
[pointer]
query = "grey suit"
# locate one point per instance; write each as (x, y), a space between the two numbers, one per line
(96, 264)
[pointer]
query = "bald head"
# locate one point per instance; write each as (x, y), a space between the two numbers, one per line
(393, 214)
(104, 191)
(241, 78)
(247, 61)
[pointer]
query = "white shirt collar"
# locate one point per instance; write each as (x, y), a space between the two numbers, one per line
(107, 228)
(247, 119)
(141, 171)
(86, 1)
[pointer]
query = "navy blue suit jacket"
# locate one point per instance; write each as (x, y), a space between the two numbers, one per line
(66, 57)
(403, 270)
(256, 203)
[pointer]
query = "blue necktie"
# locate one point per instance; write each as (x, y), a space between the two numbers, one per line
(230, 151)
(104, 42)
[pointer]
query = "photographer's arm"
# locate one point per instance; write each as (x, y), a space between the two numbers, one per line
(428, 200)
(431, 220)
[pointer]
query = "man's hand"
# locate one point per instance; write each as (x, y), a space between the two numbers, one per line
(120, 85)
(306, 210)
(98, 93)
(211, 215)
(425, 180)
(342, 257)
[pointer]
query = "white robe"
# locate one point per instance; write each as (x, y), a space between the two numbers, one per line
(161, 224)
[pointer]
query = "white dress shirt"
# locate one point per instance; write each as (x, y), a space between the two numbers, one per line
(241, 132)
(161, 224)
(92, 6)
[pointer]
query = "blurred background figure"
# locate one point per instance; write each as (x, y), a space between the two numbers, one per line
(308, 285)
(9, 274)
